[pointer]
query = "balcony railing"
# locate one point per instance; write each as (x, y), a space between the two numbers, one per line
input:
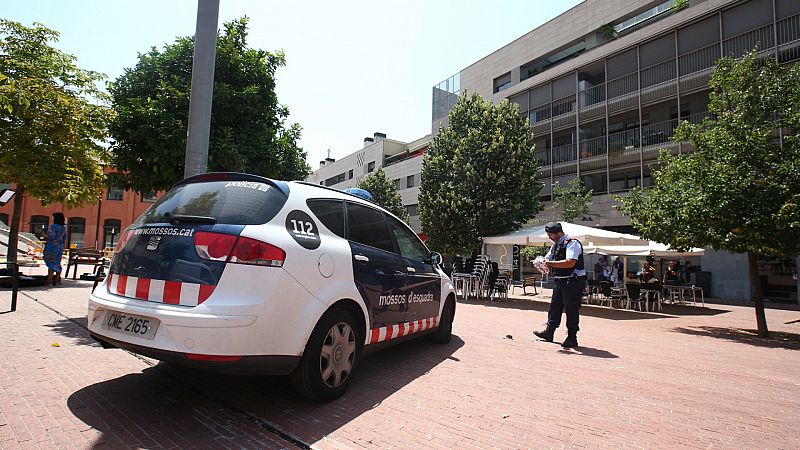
(539, 114)
(627, 84)
(563, 106)
(738, 45)
(593, 95)
(789, 38)
(593, 147)
(565, 153)
(543, 156)
(789, 30)
(659, 73)
(699, 60)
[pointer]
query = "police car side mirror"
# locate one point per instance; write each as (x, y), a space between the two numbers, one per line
(436, 258)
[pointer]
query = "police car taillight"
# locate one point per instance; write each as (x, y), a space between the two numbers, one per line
(239, 250)
(213, 246)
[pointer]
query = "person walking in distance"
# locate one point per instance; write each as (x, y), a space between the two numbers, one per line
(565, 260)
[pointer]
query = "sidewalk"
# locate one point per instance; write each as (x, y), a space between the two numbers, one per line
(687, 377)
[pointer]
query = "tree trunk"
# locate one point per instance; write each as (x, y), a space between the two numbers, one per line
(13, 233)
(757, 295)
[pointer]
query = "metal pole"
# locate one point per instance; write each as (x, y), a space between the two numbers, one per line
(205, 51)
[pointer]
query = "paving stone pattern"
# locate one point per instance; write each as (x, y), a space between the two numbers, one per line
(688, 377)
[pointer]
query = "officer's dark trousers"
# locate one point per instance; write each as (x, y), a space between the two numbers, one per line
(567, 295)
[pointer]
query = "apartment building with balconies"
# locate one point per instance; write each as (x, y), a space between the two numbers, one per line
(605, 84)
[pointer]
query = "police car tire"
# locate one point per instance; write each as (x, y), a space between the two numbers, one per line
(306, 379)
(445, 331)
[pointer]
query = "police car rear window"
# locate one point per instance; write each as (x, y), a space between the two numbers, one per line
(227, 201)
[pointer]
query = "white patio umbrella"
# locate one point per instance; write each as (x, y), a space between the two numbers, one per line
(589, 236)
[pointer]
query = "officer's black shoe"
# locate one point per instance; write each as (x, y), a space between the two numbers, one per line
(570, 342)
(546, 334)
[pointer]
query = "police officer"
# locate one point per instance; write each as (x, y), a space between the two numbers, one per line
(565, 260)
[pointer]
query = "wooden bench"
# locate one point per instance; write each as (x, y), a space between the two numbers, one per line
(528, 281)
(84, 256)
(11, 277)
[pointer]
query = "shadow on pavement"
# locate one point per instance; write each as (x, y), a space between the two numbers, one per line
(588, 351)
(169, 400)
(777, 339)
(73, 328)
(586, 310)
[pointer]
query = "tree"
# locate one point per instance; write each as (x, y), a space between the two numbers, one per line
(739, 190)
(51, 129)
(384, 193)
(570, 202)
(248, 132)
(480, 176)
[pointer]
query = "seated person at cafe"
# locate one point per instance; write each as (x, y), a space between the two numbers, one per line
(610, 272)
(671, 274)
(648, 273)
(631, 278)
(686, 273)
(599, 267)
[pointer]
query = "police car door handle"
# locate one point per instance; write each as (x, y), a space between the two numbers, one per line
(411, 270)
(361, 258)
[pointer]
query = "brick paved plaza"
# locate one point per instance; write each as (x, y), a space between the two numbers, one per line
(685, 378)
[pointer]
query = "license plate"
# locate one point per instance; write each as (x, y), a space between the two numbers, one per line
(130, 324)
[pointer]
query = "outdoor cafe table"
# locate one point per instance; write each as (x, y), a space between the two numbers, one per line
(684, 291)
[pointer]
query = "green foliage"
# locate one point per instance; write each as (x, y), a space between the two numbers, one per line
(479, 177)
(529, 253)
(51, 126)
(679, 5)
(571, 202)
(248, 125)
(384, 193)
(739, 190)
(607, 31)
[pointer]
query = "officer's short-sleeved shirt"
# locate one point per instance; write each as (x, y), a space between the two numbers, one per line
(574, 250)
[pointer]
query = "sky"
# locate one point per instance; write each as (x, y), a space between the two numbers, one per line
(353, 68)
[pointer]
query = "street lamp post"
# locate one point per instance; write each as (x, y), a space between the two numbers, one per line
(205, 51)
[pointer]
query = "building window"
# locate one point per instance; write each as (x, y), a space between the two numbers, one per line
(114, 193)
(111, 230)
(4, 218)
(350, 174)
(39, 225)
(502, 82)
(410, 181)
(76, 229)
(412, 210)
(397, 185)
(371, 167)
(334, 180)
(149, 197)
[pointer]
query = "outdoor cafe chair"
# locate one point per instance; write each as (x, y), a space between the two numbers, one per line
(633, 293)
(652, 290)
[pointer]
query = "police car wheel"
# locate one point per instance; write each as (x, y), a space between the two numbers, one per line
(330, 357)
(444, 332)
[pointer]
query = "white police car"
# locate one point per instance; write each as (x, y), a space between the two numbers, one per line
(240, 273)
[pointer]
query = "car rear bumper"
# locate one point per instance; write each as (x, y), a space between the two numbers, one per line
(244, 365)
